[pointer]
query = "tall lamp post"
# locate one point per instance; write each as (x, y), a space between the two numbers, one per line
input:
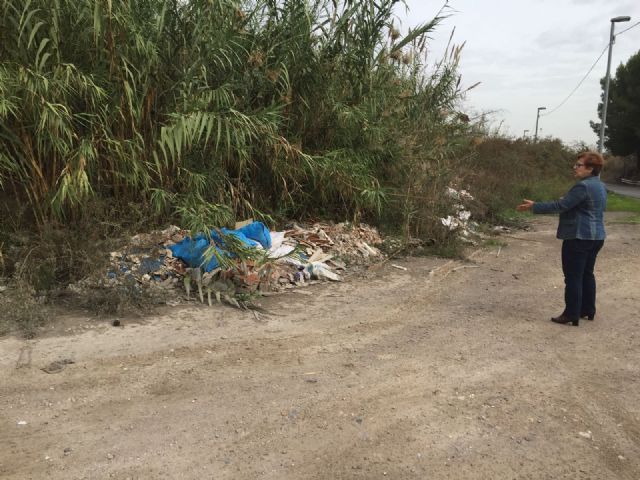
(603, 120)
(535, 137)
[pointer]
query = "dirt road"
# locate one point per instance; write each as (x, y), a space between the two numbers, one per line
(450, 370)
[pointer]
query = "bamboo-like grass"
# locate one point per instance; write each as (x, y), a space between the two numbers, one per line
(213, 110)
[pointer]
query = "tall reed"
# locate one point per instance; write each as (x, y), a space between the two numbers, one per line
(258, 107)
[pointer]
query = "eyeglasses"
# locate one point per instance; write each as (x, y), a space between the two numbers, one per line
(578, 165)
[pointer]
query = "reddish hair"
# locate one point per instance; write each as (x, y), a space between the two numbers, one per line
(592, 160)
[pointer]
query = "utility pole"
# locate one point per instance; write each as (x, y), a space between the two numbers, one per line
(603, 120)
(524, 134)
(535, 137)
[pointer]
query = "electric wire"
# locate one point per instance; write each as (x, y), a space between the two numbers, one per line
(579, 83)
(587, 74)
(627, 29)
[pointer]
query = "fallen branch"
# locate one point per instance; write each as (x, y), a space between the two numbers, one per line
(375, 266)
(522, 239)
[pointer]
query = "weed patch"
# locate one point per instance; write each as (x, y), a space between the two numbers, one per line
(22, 311)
(502, 172)
(622, 203)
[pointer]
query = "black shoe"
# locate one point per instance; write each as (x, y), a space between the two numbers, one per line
(564, 319)
(587, 316)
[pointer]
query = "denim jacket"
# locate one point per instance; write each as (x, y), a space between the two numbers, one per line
(581, 210)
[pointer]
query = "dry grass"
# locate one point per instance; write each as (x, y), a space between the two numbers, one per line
(502, 172)
(22, 312)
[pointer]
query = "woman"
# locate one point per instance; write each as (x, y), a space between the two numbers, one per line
(581, 229)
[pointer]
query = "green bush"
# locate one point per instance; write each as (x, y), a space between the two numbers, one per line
(500, 172)
(266, 109)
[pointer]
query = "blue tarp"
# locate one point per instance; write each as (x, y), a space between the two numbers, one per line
(256, 231)
(191, 250)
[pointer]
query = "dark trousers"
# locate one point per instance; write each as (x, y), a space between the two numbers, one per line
(578, 260)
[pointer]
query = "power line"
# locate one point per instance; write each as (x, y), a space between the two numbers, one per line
(587, 74)
(627, 29)
(579, 83)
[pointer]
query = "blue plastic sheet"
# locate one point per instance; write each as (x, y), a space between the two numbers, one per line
(259, 232)
(191, 250)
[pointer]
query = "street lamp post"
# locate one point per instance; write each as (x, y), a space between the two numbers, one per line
(535, 137)
(524, 134)
(603, 120)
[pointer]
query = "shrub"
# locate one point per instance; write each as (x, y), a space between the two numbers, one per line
(500, 172)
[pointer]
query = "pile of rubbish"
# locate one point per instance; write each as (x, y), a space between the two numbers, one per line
(227, 263)
(460, 221)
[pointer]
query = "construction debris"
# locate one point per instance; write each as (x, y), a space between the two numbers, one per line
(460, 221)
(356, 244)
(155, 262)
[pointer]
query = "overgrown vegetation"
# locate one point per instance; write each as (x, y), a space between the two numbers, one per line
(501, 172)
(22, 310)
(295, 107)
(620, 203)
(617, 168)
(118, 117)
(201, 112)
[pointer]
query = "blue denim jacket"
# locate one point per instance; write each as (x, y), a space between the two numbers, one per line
(581, 210)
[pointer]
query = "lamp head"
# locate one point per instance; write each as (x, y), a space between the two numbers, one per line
(620, 19)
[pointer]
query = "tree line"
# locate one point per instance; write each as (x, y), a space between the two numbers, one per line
(622, 129)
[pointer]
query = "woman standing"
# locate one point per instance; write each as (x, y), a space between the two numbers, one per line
(581, 229)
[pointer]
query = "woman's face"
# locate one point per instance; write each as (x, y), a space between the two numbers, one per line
(580, 171)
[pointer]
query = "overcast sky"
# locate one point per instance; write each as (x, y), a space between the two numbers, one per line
(529, 54)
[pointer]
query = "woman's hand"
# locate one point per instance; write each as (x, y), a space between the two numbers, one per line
(525, 205)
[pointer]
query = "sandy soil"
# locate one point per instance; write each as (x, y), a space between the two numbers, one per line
(448, 370)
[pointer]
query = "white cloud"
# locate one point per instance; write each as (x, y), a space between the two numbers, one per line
(532, 53)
